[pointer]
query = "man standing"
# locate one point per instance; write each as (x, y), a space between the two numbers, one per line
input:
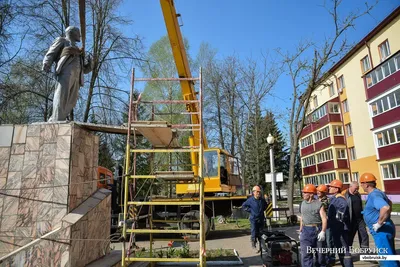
(357, 223)
(338, 223)
(70, 68)
(377, 217)
(322, 191)
(256, 206)
(312, 227)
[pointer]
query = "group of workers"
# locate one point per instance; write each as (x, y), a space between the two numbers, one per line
(328, 225)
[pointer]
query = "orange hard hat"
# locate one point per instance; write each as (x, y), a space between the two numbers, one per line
(367, 177)
(310, 188)
(322, 188)
(336, 183)
(256, 188)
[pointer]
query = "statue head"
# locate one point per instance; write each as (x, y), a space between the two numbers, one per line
(73, 34)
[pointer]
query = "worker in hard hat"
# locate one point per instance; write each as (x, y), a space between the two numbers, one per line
(377, 217)
(256, 205)
(338, 223)
(322, 191)
(313, 224)
(357, 223)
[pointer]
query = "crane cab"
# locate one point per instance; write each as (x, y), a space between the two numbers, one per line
(220, 172)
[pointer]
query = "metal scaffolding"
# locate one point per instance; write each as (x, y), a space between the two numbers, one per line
(161, 135)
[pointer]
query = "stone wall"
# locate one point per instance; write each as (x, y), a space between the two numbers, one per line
(46, 170)
(64, 247)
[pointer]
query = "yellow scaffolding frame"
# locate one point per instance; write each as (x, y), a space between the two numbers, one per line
(130, 175)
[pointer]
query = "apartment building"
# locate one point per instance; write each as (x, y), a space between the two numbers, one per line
(353, 124)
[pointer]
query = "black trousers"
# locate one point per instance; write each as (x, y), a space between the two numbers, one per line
(358, 225)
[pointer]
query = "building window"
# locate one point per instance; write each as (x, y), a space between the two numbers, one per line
(356, 176)
(309, 161)
(386, 103)
(327, 178)
(341, 84)
(349, 131)
(305, 142)
(315, 101)
(334, 108)
(312, 180)
(352, 152)
(325, 156)
(388, 137)
(391, 170)
(345, 177)
(345, 106)
(337, 130)
(331, 89)
(386, 69)
(322, 134)
(384, 50)
(365, 64)
(341, 153)
(319, 113)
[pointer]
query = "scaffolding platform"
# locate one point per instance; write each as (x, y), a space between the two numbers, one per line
(164, 139)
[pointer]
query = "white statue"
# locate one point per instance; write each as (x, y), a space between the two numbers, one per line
(70, 67)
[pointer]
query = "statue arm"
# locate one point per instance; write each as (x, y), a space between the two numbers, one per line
(52, 53)
(89, 66)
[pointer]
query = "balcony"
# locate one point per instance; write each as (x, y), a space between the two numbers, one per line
(309, 170)
(326, 166)
(323, 144)
(313, 126)
(386, 117)
(339, 140)
(307, 150)
(383, 77)
(389, 151)
(342, 164)
(392, 186)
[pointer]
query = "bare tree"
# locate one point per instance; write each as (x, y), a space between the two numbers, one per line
(113, 53)
(308, 73)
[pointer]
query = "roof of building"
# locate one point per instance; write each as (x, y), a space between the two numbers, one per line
(368, 37)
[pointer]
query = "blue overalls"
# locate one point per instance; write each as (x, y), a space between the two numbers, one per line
(384, 237)
(309, 241)
(338, 220)
(256, 208)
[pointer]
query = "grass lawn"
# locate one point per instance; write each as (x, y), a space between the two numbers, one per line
(230, 224)
(396, 207)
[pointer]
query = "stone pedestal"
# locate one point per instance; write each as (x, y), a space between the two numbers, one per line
(46, 171)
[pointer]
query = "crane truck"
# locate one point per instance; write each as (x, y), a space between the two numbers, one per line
(223, 188)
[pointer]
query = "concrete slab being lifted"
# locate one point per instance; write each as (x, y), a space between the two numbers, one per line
(159, 133)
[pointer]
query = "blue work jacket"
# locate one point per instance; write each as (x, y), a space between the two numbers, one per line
(338, 213)
(256, 207)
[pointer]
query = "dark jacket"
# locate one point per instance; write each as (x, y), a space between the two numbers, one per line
(338, 213)
(347, 196)
(256, 207)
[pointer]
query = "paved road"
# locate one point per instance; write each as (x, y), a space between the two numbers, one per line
(240, 240)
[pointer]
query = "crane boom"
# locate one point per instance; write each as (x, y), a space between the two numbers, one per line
(182, 64)
(220, 164)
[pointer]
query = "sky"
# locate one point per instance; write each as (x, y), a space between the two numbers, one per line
(249, 28)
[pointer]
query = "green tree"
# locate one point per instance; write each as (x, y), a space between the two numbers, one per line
(257, 148)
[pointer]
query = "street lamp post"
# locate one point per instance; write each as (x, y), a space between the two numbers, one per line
(271, 140)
